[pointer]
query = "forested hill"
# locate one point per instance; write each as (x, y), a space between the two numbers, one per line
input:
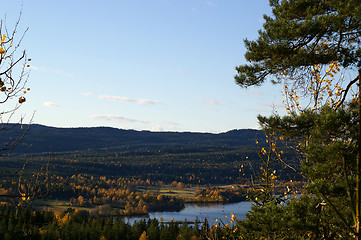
(41, 138)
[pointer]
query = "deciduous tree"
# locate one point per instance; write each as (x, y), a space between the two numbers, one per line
(14, 75)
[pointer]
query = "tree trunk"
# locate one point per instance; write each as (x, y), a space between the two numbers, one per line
(358, 163)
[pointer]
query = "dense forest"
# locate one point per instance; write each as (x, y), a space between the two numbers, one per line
(41, 139)
(127, 178)
(78, 225)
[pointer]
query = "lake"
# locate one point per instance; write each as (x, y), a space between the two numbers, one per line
(192, 211)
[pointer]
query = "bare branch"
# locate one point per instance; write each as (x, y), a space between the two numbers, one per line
(347, 89)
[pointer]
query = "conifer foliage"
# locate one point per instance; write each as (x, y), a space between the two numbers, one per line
(303, 33)
(314, 49)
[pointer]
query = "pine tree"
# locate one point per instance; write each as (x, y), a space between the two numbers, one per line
(303, 33)
(153, 230)
(298, 42)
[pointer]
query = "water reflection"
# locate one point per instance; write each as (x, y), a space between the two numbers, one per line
(191, 212)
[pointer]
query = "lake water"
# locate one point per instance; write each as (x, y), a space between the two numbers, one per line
(191, 212)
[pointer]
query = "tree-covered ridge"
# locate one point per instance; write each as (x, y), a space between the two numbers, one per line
(50, 139)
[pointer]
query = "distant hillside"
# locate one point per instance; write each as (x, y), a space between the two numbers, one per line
(41, 138)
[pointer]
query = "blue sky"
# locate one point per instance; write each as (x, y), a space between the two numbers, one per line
(160, 65)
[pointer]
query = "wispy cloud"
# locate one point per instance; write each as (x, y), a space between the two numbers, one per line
(257, 127)
(210, 3)
(210, 101)
(157, 128)
(87, 94)
(51, 70)
(115, 118)
(50, 104)
(129, 100)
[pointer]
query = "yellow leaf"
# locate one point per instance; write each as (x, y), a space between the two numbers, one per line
(3, 38)
(22, 99)
(2, 51)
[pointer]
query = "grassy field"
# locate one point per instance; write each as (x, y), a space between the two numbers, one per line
(185, 193)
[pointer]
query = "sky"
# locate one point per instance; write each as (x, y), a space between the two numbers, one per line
(158, 65)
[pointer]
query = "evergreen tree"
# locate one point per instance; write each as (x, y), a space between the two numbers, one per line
(153, 229)
(169, 232)
(186, 232)
(328, 147)
(301, 218)
(138, 228)
(295, 46)
(303, 33)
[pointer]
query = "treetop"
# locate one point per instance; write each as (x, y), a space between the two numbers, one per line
(300, 34)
